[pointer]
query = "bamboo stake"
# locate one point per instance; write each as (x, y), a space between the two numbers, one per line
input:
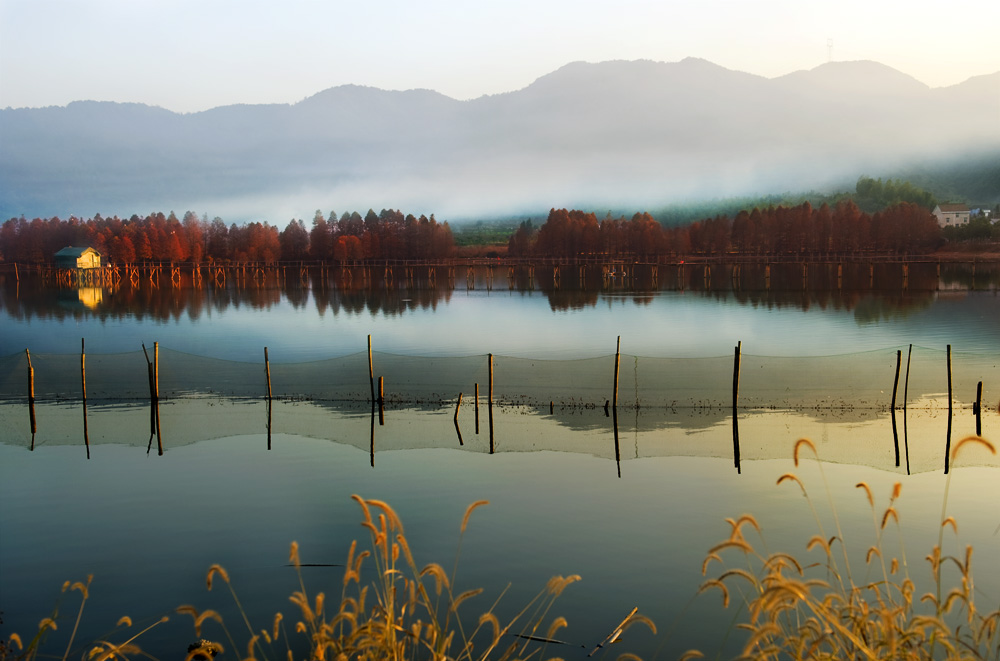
(31, 393)
(371, 371)
(267, 371)
(906, 390)
(83, 371)
(947, 444)
(906, 382)
(618, 349)
(152, 395)
(156, 391)
(490, 395)
(736, 376)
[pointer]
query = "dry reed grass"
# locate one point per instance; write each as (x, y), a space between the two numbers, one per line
(817, 610)
(405, 612)
(402, 613)
(794, 609)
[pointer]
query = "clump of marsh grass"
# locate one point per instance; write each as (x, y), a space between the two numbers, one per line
(403, 612)
(100, 650)
(818, 610)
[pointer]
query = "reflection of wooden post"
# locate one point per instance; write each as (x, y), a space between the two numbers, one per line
(373, 436)
(736, 394)
(618, 457)
(381, 401)
(977, 409)
(617, 360)
(371, 371)
(895, 385)
(947, 443)
(31, 392)
(83, 385)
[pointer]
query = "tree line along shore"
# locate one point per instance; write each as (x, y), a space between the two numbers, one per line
(797, 232)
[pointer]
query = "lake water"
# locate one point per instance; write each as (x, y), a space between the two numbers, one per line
(632, 502)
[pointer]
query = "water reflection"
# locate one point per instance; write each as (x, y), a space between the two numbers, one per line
(619, 436)
(874, 291)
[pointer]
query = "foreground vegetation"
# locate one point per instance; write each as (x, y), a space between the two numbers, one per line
(789, 607)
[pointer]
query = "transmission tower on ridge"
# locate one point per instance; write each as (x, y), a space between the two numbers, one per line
(829, 50)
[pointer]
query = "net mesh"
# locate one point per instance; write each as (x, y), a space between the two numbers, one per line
(843, 382)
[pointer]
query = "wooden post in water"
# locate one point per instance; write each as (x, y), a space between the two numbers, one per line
(152, 397)
(490, 403)
(156, 394)
(947, 443)
(895, 385)
(458, 407)
(371, 371)
(267, 371)
(977, 409)
(618, 349)
(83, 371)
(83, 385)
(31, 395)
(906, 393)
(477, 408)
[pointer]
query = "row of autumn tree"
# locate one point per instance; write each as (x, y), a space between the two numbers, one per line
(159, 238)
(798, 230)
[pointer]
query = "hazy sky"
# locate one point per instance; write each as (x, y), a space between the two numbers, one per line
(189, 55)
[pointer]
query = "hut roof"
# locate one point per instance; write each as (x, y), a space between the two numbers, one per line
(75, 251)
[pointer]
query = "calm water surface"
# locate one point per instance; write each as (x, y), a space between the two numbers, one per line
(306, 323)
(148, 526)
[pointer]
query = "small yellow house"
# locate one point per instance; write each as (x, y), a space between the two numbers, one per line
(78, 258)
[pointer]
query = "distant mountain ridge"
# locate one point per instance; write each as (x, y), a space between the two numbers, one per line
(610, 133)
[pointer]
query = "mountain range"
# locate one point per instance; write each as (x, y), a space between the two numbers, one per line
(612, 134)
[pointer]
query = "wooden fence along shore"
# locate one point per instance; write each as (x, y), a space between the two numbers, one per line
(377, 400)
(579, 272)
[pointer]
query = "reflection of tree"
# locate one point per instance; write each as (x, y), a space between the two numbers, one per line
(871, 309)
(874, 291)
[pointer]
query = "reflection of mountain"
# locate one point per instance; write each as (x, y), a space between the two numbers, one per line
(597, 135)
